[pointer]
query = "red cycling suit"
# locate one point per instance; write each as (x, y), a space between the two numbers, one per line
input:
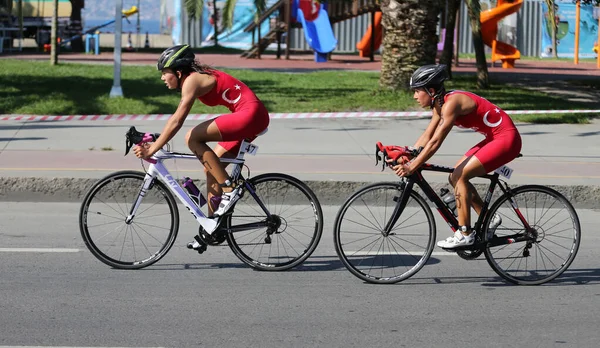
(502, 141)
(248, 115)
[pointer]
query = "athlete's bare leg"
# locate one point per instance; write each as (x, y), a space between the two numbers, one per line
(464, 191)
(196, 140)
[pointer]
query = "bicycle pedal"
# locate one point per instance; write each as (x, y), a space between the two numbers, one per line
(199, 245)
(450, 250)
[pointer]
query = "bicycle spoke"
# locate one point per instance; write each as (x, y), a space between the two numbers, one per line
(555, 226)
(138, 244)
(369, 253)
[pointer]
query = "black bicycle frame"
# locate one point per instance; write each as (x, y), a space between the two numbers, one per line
(451, 220)
(253, 225)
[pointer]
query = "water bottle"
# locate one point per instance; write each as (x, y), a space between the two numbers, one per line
(195, 194)
(449, 200)
(215, 201)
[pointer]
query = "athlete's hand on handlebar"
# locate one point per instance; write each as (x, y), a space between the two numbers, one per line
(402, 169)
(142, 151)
(133, 137)
(396, 157)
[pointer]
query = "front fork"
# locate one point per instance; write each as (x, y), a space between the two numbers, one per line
(147, 185)
(406, 187)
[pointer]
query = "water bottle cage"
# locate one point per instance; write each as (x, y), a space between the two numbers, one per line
(394, 153)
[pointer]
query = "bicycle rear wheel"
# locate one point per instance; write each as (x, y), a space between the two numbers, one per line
(364, 249)
(295, 224)
(555, 231)
(142, 242)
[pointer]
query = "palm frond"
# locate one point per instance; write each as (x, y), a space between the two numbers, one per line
(194, 7)
(228, 13)
(260, 5)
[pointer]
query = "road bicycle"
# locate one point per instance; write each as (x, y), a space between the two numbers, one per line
(385, 232)
(130, 219)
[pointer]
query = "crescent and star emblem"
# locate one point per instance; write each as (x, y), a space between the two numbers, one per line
(224, 95)
(487, 123)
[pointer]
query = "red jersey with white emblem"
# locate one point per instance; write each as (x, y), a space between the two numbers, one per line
(229, 92)
(487, 118)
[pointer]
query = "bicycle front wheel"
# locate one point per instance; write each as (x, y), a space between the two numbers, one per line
(292, 230)
(142, 241)
(554, 230)
(364, 247)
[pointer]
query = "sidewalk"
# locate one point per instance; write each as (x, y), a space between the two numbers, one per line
(532, 69)
(337, 154)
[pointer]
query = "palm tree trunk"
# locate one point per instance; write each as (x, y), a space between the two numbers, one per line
(74, 26)
(410, 39)
(553, 25)
(448, 51)
(481, 63)
(215, 22)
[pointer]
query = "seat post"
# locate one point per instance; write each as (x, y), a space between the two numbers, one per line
(242, 150)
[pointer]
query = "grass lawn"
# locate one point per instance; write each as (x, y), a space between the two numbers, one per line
(30, 87)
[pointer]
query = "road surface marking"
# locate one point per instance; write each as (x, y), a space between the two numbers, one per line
(38, 250)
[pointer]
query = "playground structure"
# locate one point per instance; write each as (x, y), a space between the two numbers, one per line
(317, 29)
(368, 43)
(314, 18)
(92, 35)
(489, 31)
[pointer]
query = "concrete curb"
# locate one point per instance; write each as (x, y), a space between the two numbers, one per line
(38, 189)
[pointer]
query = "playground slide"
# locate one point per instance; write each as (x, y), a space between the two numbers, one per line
(489, 30)
(364, 45)
(318, 33)
(235, 37)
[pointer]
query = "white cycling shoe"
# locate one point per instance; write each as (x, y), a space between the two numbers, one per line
(228, 199)
(458, 240)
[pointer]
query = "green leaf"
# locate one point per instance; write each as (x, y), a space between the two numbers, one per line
(194, 8)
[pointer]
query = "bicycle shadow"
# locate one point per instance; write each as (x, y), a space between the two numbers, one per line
(568, 278)
(315, 263)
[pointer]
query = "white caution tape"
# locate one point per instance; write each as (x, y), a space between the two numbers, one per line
(299, 115)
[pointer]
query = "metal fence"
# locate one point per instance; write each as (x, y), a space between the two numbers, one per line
(350, 32)
(529, 26)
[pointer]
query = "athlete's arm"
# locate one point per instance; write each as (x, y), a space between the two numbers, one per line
(429, 131)
(450, 111)
(194, 86)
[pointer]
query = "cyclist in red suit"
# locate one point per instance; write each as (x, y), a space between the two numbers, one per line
(248, 118)
(501, 145)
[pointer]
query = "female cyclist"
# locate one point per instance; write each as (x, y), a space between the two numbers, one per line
(501, 145)
(180, 70)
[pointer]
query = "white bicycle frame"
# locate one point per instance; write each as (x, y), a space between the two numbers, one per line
(158, 170)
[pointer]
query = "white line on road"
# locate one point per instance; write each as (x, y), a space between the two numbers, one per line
(38, 250)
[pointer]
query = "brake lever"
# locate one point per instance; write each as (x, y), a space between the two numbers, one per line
(132, 137)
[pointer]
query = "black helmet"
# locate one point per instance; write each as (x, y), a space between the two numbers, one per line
(429, 76)
(176, 57)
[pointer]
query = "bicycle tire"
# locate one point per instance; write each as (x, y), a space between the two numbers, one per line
(502, 258)
(104, 195)
(360, 261)
(251, 246)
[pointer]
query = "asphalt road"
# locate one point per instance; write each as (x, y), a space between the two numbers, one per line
(55, 293)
